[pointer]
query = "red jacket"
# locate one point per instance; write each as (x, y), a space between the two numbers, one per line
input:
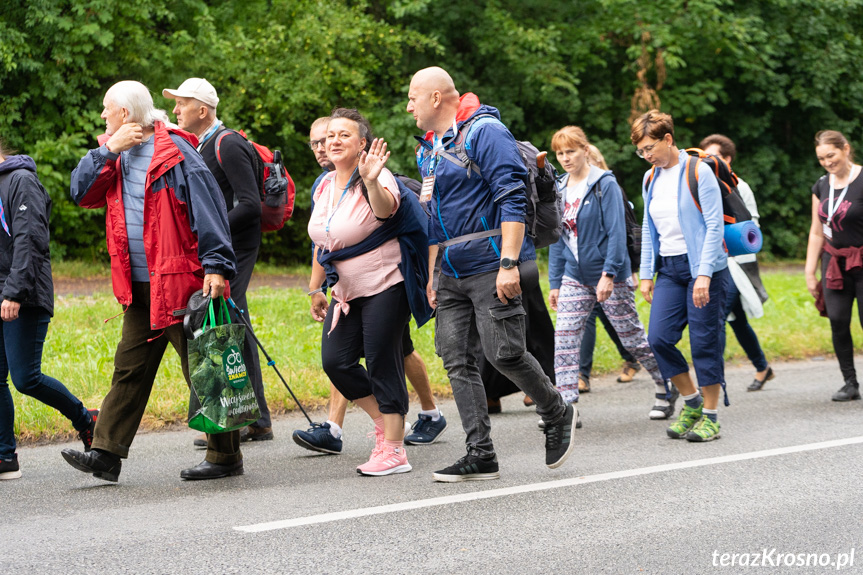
(186, 231)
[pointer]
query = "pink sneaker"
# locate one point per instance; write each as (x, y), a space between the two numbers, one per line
(386, 461)
(378, 434)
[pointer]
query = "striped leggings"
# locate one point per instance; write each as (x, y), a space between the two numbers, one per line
(574, 304)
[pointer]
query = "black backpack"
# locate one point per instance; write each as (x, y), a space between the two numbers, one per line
(734, 209)
(544, 212)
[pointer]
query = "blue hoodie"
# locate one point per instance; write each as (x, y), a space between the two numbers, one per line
(601, 225)
(703, 230)
(465, 203)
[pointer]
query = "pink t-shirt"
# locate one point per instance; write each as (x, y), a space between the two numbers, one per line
(351, 220)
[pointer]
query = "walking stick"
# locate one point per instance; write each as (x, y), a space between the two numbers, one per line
(270, 361)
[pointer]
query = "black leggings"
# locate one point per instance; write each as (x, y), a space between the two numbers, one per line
(839, 305)
(374, 328)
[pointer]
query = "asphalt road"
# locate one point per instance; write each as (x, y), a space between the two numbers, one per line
(783, 479)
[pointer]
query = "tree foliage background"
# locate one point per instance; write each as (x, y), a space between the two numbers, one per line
(767, 73)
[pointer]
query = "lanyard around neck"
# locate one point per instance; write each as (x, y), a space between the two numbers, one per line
(331, 211)
(439, 145)
(831, 206)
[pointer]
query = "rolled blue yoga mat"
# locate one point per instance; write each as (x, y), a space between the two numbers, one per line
(743, 238)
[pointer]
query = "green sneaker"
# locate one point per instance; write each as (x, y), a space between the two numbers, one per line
(685, 421)
(704, 430)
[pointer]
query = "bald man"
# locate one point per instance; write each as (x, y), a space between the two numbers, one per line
(478, 252)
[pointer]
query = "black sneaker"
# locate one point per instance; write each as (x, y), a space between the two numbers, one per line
(849, 392)
(558, 438)
(101, 464)
(9, 468)
(87, 434)
(469, 468)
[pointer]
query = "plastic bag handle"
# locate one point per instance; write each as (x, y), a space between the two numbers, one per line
(211, 315)
(224, 315)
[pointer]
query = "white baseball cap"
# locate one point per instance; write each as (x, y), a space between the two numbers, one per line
(197, 88)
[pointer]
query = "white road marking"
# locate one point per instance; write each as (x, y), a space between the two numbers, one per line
(532, 487)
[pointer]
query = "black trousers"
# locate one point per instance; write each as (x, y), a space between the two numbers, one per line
(839, 305)
(540, 336)
(374, 328)
(245, 264)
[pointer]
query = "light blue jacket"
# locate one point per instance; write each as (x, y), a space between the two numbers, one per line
(601, 225)
(703, 230)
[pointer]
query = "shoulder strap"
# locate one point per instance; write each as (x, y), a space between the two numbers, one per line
(459, 156)
(219, 136)
(692, 179)
(650, 178)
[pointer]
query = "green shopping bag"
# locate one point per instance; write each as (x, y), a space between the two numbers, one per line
(222, 397)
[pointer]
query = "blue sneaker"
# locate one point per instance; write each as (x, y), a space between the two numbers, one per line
(318, 438)
(425, 430)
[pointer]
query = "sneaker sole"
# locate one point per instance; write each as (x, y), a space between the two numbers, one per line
(306, 445)
(10, 475)
(656, 414)
(459, 478)
(699, 439)
(674, 435)
(571, 446)
(397, 469)
(846, 399)
(416, 442)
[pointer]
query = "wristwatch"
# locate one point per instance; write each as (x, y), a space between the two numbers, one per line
(608, 275)
(508, 263)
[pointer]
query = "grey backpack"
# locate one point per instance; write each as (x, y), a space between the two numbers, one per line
(544, 210)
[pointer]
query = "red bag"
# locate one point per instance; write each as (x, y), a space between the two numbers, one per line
(275, 184)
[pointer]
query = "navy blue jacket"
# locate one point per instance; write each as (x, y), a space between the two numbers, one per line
(601, 225)
(464, 203)
(408, 224)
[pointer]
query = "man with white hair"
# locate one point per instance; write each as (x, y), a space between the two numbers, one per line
(230, 159)
(477, 237)
(167, 232)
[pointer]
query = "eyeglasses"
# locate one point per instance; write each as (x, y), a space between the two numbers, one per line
(648, 149)
(315, 144)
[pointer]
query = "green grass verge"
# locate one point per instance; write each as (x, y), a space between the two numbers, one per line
(80, 347)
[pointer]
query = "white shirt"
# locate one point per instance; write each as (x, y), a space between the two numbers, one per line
(664, 212)
(573, 197)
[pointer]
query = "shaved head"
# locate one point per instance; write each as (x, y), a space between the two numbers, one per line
(435, 79)
(433, 99)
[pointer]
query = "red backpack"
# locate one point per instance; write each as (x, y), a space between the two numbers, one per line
(275, 184)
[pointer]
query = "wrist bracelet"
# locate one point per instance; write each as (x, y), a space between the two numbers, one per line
(314, 291)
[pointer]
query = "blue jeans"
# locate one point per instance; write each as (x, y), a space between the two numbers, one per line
(588, 342)
(742, 330)
(673, 309)
(21, 342)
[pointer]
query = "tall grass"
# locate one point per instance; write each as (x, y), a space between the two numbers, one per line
(80, 347)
